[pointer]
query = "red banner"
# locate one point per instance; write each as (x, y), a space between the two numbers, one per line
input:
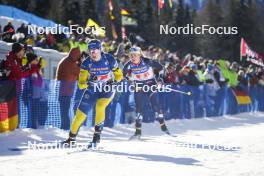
(249, 54)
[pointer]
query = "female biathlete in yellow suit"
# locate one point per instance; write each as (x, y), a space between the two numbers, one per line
(98, 68)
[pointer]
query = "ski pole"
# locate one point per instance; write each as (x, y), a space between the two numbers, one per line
(178, 91)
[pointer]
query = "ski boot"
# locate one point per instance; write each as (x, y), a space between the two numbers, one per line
(137, 134)
(70, 142)
(96, 137)
(163, 126)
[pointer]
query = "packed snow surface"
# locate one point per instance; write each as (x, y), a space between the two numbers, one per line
(222, 146)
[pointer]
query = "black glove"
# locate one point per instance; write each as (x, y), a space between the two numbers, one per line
(3, 75)
(112, 82)
(93, 77)
(209, 81)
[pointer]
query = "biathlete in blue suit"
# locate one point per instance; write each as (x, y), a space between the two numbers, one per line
(144, 72)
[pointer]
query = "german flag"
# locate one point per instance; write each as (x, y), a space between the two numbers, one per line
(242, 96)
(8, 106)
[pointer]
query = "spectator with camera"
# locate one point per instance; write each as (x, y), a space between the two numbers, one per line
(13, 63)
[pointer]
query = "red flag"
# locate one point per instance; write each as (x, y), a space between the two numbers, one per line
(251, 56)
(160, 4)
(110, 5)
(114, 33)
(243, 47)
(123, 29)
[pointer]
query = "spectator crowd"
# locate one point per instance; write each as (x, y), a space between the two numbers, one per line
(188, 70)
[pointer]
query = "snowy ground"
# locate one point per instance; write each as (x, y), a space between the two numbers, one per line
(231, 145)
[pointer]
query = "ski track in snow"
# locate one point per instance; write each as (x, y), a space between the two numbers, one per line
(229, 145)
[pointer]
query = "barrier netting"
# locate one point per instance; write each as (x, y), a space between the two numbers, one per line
(53, 103)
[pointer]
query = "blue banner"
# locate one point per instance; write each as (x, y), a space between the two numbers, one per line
(16, 13)
(53, 104)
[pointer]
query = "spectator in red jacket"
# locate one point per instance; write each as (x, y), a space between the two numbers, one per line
(171, 75)
(67, 73)
(13, 63)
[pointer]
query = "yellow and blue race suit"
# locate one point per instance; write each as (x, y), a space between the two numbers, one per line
(92, 73)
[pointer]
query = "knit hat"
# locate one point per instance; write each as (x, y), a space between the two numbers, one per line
(31, 57)
(16, 47)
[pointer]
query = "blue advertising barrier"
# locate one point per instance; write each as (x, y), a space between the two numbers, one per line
(53, 104)
(16, 13)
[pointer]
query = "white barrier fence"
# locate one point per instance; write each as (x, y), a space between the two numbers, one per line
(51, 56)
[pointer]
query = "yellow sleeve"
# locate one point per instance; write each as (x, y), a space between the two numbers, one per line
(43, 63)
(118, 74)
(83, 77)
(24, 60)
